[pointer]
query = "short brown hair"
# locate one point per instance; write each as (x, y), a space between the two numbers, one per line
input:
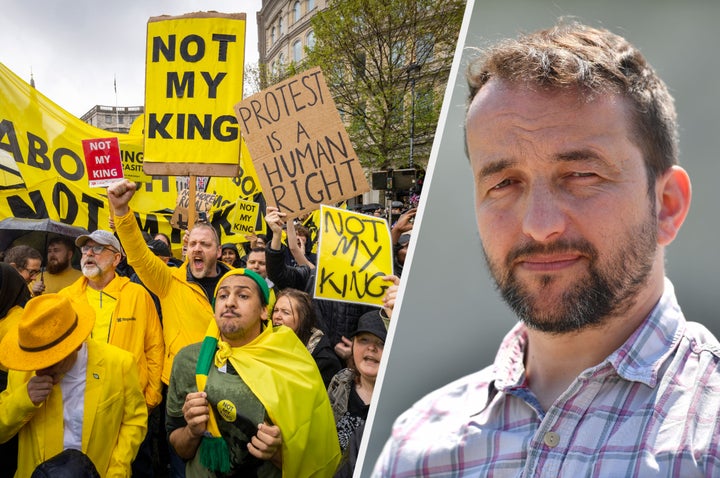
(19, 256)
(593, 61)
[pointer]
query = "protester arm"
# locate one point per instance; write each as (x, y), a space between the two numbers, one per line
(151, 270)
(402, 225)
(154, 354)
(297, 253)
(134, 418)
(184, 400)
(283, 275)
(134, 422)
(16, 408)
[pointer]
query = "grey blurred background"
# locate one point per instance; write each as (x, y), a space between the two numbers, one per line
(451, 318)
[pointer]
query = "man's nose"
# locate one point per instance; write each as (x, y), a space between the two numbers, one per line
(544, 214)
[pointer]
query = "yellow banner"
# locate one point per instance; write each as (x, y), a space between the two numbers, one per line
(193, 77)
(354, 252)
(43, 174)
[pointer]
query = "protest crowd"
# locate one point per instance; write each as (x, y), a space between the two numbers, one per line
(232, 346)
(219, 363)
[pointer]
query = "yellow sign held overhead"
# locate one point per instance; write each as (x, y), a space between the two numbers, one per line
(354, 253)
(194, 76)
(245, 217)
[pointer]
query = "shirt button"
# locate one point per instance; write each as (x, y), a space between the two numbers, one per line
(551, 439)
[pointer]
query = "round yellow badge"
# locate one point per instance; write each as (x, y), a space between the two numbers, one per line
(227, 410)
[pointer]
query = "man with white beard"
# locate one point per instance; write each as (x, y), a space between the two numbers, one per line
(125, 316)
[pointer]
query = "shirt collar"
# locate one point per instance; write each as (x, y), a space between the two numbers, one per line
(638, 359)
(643, 354)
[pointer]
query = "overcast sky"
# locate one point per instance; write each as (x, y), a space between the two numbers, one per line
(75, 48)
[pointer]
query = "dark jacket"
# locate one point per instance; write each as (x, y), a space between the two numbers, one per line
(67, 464)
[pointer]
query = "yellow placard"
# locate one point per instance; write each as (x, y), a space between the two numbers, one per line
(193, 77)
(302, 154)
(354, 252)
(245, 217)
(43, 175)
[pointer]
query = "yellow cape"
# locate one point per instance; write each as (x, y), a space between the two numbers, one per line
(284, 377)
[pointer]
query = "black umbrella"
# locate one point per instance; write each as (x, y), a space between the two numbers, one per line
(35, 233)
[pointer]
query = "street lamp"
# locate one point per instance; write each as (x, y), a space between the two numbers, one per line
(413, 69)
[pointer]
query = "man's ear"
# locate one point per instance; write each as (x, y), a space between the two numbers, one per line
(673, 195)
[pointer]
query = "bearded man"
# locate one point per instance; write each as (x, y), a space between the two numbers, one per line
(59, 271)
(572, 139)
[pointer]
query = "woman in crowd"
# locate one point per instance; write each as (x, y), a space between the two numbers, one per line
(351, 389)
(14, 294)
(230, 255)
(294, 309)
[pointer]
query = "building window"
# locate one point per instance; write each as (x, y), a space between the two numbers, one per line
(297, 51)
(310, 5)
(281, 60)
(272, 36)
(296, 11)
(425, 48)
(281, 26)
(397, 55)
(108, 118)
(310, 40)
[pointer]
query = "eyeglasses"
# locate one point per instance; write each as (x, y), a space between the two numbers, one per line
(32, 272)
(96, 249)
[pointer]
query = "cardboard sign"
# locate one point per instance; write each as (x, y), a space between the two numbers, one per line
(193, 77)
(102, 159)
(203, 204)
(244, 217)
(354, 252)
(301, 151)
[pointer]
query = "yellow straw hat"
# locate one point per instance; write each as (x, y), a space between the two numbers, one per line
(49, 329)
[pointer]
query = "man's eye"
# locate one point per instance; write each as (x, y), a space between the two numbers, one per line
(502, 184)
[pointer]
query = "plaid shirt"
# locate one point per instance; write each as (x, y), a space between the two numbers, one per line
(652, 408)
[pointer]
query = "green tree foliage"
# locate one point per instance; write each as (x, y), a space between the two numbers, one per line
(370, 51)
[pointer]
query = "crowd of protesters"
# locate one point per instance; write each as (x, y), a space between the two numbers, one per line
(228, 364)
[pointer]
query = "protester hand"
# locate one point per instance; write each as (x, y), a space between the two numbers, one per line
(267, 443)
(403, 223)
(390, 294)
(275, 219)
(119, 194)
(251, 239)
(343, 349)
(39, 387)
(196, 413)
(38, 287)
(185, 239)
